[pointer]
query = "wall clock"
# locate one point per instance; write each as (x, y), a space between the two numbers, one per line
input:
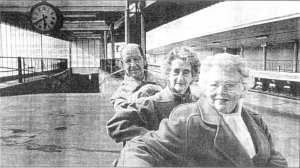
(45, 18)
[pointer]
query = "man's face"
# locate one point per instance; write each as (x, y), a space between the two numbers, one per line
(224, 90)
(133, 63)
(180, 76)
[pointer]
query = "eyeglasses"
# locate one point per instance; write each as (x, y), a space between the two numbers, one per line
(136, 59)
(228, 85)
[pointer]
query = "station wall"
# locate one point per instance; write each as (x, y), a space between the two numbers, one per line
(86, 53)
(21, 42)
(279, 57)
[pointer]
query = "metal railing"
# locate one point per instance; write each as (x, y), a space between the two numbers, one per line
(26, 68)
(280, 65)
(271, 65)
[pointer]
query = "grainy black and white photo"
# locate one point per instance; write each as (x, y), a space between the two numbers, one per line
(149, 83)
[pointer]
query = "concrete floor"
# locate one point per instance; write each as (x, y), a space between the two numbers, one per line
(61, 130)
(57, 130)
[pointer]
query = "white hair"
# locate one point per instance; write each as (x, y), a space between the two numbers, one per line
(228, 63)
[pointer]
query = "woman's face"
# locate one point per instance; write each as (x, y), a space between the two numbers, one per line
(224, 90)
(180, 76)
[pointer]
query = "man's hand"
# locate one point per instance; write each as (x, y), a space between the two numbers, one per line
(145, 91)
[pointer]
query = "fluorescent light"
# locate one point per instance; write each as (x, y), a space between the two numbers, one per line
(80, 16)
(261, 37)
(83, 32)
(216, 42)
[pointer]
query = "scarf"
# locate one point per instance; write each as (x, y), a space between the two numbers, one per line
(236, 123)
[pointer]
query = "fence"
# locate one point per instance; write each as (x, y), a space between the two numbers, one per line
(24, 69)
(271, 65)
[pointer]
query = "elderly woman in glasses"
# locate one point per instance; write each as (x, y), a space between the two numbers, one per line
(215, 131)
(135, 117)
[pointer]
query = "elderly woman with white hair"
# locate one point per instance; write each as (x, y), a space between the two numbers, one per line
(216, 131)
(135, 117)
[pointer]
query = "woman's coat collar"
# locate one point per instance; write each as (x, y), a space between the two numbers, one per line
(227, 143)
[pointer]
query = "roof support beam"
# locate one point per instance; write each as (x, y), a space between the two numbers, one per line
(85, 26)
(65, 5)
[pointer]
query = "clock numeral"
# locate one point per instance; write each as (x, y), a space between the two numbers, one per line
(39, 9)
(35, 13)
(44, 8)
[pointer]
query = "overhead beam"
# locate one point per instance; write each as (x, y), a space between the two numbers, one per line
(71, 3)
(80, 16)
(91, 8)
(66, 9)
(85, 26)
(15, 9)
(65, 5)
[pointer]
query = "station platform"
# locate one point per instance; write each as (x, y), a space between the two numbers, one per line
(68, 129)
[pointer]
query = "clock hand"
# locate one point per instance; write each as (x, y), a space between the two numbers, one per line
(44, 18)
(38, 20)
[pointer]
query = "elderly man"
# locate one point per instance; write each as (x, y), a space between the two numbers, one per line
(134, 64)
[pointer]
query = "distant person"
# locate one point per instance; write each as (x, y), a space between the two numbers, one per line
(134, 64)
(216, 131)
(181, 68)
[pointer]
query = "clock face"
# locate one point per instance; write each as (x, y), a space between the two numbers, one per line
(44, 17)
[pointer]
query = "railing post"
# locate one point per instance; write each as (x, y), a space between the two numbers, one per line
(20, 69)
(42, 65)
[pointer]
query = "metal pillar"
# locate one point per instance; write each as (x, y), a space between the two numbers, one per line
(143, 31)
(105, 49)
(264, 46)
(296, 56)
(242, 51)
(112, 40)
(127, 33)
(1, 50)
(70, 55)
(225, 49)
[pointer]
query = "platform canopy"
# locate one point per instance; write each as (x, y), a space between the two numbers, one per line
(90, 18)
(230, 24)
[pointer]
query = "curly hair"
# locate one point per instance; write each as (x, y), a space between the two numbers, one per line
(187, 55)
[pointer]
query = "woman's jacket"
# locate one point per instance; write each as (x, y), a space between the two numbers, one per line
(136, 117)
(191, 138)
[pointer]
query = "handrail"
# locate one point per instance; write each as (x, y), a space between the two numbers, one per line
(23, 67)
(109, 76)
